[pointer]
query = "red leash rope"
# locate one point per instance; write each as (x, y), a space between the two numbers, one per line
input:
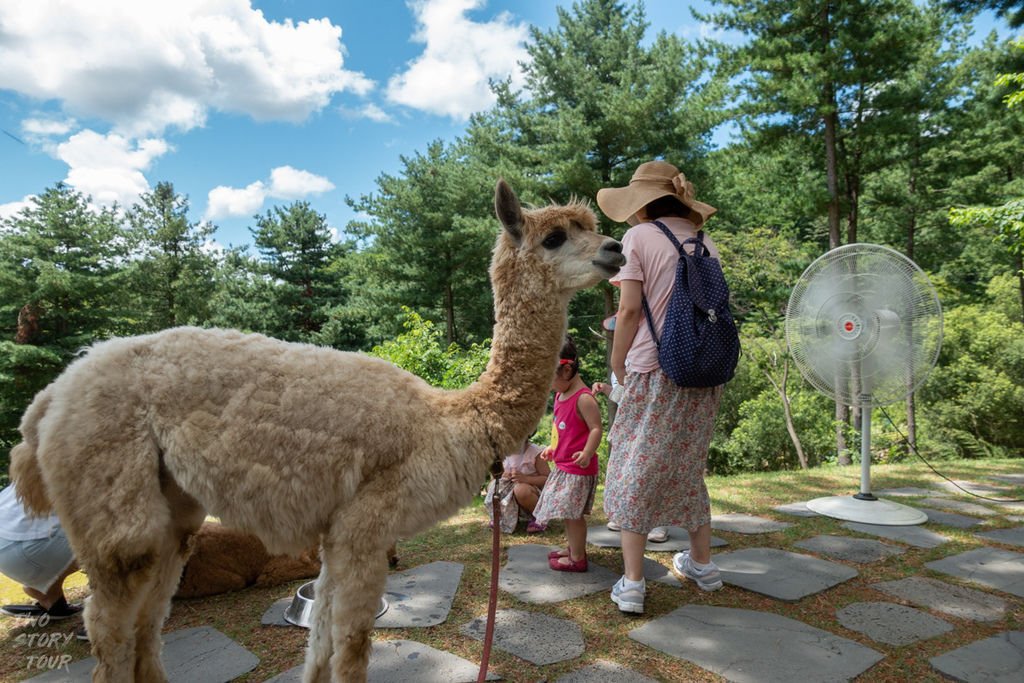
(492, 601)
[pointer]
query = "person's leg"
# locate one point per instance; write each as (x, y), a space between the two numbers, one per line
(576, 534)
(700, 544)
(527, 496)
(54, 593)
(633, 545)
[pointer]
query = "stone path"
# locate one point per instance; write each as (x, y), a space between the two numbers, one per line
(983, 585)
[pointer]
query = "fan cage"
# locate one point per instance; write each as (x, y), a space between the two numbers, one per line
(864, 325)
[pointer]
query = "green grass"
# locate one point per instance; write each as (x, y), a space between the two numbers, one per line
(465, 539)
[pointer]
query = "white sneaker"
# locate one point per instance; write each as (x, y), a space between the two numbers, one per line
(612, 526)
(658, 534)
(707, 579)
(629, 600)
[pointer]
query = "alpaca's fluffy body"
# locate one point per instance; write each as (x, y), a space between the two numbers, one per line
(225, 559)
(142, 437)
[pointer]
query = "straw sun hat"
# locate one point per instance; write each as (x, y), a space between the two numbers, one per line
(652, 180)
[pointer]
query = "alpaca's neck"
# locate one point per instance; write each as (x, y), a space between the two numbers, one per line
(512, 393)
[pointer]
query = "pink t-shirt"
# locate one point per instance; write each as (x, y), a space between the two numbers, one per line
(525, 461)
(651, 259)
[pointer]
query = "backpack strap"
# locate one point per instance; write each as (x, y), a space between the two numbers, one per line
(693, 275)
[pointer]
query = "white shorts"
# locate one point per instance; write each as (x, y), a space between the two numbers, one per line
(37, 563)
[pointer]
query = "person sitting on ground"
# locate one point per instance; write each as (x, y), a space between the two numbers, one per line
(519, 488)
(34, 552)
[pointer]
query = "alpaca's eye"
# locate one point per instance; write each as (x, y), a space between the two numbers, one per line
(555, 240)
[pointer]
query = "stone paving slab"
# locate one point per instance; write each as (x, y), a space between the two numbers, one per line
(747, 524)
(755, 647)
(781, 574)
(1014, 536)
(656, 571)
(528, 576)
(862, 550)
(999, 569)
(906, 491)
(950, 518)
(1011, 507)
(914, 535)
(402, 661)
(604, 672)
(797, 509)
(540, 639)
(1015, 479)
(999, 659)
(678, 539)
(1015, 518)
(960, 487)
(892, 624)
(192, 655)
(421, 596)
(956, 601)
(959, 505)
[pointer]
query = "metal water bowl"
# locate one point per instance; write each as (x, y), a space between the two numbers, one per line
(300, 611)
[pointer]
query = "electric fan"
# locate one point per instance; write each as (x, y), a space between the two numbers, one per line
(864, 327)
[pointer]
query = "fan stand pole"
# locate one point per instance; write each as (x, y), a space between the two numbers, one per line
(864, 507)
(865, 455)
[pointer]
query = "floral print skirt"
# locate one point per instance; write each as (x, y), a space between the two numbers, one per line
(659, 451)
(565, 496)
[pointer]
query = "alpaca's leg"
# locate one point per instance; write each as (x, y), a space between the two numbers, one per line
(155, 608)
(358, 572)
(118, 594)
(318, 654)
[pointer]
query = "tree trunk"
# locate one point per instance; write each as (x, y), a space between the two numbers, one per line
(831, 122)
(609, 310)
(1020, 281)
(788, 413)
(911, 444)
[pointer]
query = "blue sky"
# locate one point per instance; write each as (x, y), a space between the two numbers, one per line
(247, 104)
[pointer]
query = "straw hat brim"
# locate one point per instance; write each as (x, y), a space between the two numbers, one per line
(619, 203)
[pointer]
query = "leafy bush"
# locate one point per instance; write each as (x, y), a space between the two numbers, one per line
(420, 350)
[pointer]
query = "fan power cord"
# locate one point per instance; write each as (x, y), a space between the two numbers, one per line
(918, 454)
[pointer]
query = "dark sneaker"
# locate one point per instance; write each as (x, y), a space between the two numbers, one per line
(707, 579)
(82, 634)
(58, 610)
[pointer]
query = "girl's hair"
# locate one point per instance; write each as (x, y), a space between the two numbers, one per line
(666, 206)
(568, 353)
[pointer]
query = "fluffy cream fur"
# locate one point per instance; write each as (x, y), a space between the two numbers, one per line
(224, 560)
(142, 437)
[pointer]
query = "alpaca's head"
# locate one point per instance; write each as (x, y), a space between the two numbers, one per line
(554, 248)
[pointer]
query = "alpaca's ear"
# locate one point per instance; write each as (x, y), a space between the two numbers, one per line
(506, 206)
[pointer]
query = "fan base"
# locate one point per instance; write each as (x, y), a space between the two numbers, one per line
(881, 512)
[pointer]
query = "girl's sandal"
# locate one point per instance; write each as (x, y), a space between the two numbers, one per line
(555, 554)
(570, 566)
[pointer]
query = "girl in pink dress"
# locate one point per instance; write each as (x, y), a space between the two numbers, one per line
(575, 436)
(518, 489)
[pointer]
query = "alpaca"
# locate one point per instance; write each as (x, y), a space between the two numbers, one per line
(224, 560)
(142, 437)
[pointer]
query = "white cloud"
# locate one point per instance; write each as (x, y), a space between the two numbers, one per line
(291, 183)
(12, 209)
(285, 183)
(223, 201)
(368, 111)
(46, 127)
(147, 66)
(109, 167)
(451, 77)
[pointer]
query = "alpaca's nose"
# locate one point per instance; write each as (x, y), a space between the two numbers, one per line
(611, 252)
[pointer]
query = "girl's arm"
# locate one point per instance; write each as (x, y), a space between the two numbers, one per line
(627, 322)
(539, 479)
(588, 410)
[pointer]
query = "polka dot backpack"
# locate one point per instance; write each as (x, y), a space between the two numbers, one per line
(700, 345)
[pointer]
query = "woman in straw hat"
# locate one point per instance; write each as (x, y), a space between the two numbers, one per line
(659, 442)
